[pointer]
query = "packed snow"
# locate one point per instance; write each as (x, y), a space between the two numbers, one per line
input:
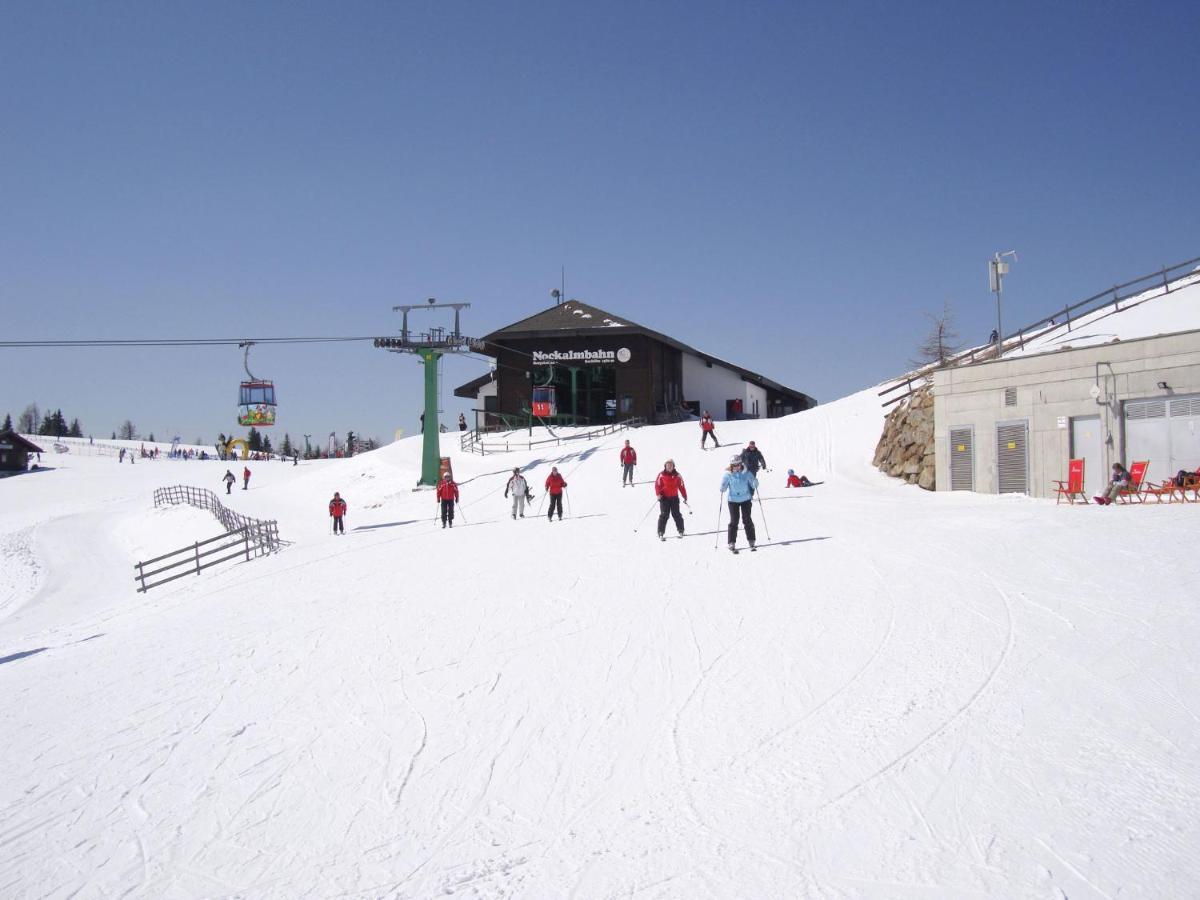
(900, 694)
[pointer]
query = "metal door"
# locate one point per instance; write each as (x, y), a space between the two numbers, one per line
(1012, 457)
(1148, 437)
(962, 459)
(1088, 445)
(1185, 434)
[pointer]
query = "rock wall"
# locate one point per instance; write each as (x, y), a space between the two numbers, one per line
(906, 448)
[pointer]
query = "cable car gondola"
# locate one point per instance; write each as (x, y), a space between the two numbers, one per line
(256, 397)
(544, 405)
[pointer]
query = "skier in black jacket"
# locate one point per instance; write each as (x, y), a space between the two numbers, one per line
(752, 459)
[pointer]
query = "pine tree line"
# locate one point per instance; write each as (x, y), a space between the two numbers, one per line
(52, 424)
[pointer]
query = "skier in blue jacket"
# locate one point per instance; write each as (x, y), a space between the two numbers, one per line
(741, 486)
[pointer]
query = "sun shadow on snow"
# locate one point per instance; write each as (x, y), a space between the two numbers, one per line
(825, 537)
(15, 656)
(384, 525)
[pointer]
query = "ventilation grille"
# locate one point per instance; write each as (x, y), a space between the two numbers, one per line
(1010, 396)
(1011, 458)
(962, 459)
(1146, 409)
(1185, 406)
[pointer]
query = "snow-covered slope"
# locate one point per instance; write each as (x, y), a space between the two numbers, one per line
(902, 694)
(1152, 312)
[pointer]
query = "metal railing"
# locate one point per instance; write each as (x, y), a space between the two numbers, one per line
(1063, 320)
(474, 442)
(252, 537)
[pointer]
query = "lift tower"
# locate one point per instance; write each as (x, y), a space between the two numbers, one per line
(429, 346)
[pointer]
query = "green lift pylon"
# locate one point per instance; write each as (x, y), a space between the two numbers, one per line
(430, 346)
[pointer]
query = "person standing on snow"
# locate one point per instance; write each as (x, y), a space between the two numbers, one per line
(245, 478)
(741, 486)
(707, 430)
(229, 480)
(668, 488)
(447, 494)
(554, 487)
(753, 460)
(337, 509)
(628, 461)
(520, 490)
(462, 422)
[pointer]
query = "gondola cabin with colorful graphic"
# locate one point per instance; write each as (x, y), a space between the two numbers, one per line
(543, 402)
(256, 403)
(256, 396)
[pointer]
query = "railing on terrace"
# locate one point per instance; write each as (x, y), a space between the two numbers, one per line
(1061, 321)
(250, 537)
(506, 442)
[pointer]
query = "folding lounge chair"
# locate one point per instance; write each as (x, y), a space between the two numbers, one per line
(1137, 472)
(1073, 486)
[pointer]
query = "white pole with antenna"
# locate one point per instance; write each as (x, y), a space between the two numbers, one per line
(997, 269)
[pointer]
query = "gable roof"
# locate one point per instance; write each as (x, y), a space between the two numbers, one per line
(11, 437)
(576, 319)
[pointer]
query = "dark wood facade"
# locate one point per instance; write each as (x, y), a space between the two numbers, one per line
(603, 369)
(14, 452)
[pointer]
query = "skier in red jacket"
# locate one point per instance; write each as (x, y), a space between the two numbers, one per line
(628, 461)
(447, 494)
(554, 487)
(337, 509)
(707, 430)
(669, 487)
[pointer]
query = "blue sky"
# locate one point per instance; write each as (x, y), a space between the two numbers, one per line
(789, 186)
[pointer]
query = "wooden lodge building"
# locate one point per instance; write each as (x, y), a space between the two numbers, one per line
(576, 364)
(14, 452)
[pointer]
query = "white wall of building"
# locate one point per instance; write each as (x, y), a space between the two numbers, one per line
(711, 385)
(488, 390)
(1050, 392)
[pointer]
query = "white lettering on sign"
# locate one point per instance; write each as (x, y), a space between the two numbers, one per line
(582, 356)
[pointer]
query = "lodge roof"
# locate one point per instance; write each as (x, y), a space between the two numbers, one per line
(11, 437)
(574, 318)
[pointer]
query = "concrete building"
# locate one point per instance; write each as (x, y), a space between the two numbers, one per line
(1011, 425)
(599, 367)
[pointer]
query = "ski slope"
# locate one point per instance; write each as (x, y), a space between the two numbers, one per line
(902, 694)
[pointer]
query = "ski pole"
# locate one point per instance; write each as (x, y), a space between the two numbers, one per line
(568, 498)
(720, 509)
(762, 510)
(458, 507)
(643, 519)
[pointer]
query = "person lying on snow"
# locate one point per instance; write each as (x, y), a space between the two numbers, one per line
(795, 480)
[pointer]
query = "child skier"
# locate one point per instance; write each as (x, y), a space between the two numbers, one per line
(707, 430)
(741, 486)
(520, 490)
(794, 480)
(447, 494)
(628, 461)
(554, 487)
(337, 509)
(668, 488)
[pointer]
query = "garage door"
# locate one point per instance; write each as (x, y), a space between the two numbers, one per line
(1165, 431)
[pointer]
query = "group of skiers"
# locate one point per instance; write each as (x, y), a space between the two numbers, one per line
(230, 479)
(739, 483)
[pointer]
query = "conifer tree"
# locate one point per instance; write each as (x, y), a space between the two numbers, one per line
(76, 430)
(7, 426)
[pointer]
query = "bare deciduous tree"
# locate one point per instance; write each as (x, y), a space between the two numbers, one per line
(941, 342)
(127, 431)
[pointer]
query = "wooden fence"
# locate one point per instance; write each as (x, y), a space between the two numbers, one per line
(244, 538)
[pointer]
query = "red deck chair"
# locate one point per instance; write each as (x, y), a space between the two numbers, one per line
(1073, 486)
(1137, 472)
